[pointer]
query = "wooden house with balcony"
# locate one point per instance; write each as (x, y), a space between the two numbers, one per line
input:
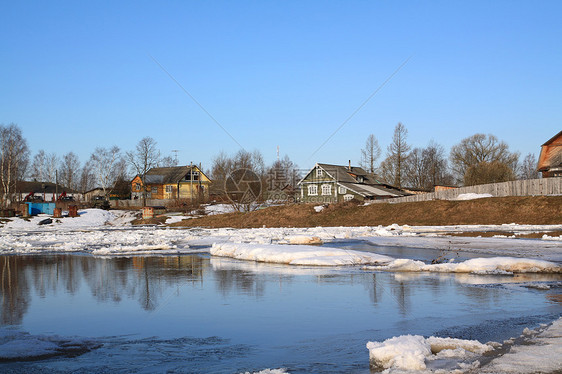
(178, 182)
(326, 183)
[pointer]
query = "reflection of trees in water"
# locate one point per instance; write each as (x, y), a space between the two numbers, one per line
(108, 279)
(247, 282)
(15, 290)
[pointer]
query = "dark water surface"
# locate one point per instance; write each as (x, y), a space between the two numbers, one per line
(196, 314)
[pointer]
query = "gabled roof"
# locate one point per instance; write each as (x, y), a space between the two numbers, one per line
(551, 153)
(348, 174)
(169, 175)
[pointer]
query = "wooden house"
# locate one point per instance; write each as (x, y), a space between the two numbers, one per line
(550, 159)
(327, 183)
(178, 182)
(44, 191)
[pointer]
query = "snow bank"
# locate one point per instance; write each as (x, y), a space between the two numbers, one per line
(270, 371)
(296, 254)
(87, 218)
(472, 196)
(539, 352)
(412, 352)
(304, 239)
(19, 346)
(493, 265)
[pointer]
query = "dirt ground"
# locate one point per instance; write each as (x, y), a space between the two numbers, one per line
(539, 210)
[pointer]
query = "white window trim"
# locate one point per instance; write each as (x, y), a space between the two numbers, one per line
(342, 190)
(313, 190)
(326, 189)
(348, 197)
(319, 172)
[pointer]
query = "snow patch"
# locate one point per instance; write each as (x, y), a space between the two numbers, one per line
(472, 196)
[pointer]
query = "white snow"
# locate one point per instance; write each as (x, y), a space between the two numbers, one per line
(412, 352)
(319, 208)
(296, 254)
(493, 265)
(472, 196)
(537, 351)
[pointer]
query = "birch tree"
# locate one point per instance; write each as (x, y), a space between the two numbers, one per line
(70, 171)
(14, 158)
(107, 165)
(145, 157)
(528, 168)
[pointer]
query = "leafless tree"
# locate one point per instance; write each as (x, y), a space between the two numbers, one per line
(14, 158)
(393, 167)
(370, 154)
(281, 181)
(168, 162)
(145, 157)
(107, 165)
(87, 178)
(481, 148)
(488, 172)
(427, 167)
(70, 170)
(244, 168)
(528, 168)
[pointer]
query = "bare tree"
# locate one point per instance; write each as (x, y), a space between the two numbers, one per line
(393, 166)
(417, 173)
(528, 168)
(70, 170)
(480, 148)
(281, 181)
(145, 157)
(44, 167)
(87, 178)
(14, 158)
(427, 167)
(107, 166)
(168, 162)
(488, 172)
(370, 154)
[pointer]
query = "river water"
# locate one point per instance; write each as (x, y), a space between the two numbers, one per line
(201, 314)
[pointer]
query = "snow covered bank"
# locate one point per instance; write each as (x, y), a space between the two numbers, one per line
(296, 254)
(536, 351)
(494, 265)
(414, 352)
(472, 196)
(21, 346)
(87, 218)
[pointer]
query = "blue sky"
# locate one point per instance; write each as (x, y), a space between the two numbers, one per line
(77, 75)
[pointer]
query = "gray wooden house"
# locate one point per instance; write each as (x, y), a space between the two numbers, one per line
(326, 183)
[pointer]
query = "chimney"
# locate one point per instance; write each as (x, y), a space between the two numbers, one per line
(349, 165)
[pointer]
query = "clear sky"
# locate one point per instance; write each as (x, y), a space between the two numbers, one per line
(76, 75)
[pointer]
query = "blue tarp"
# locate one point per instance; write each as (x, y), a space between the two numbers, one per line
(36, 208)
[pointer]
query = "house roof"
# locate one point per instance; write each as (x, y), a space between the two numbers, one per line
(551, 153)
(350, 174)
(367, 190)
(170, 174)
(41, 187)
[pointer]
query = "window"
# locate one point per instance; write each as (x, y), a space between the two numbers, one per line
(348, 197)
(312, 190)
(154, 189)
(319, 172)
(342, 190)
(195, 176)
(137, 186)
(169, 189)
(326, 189)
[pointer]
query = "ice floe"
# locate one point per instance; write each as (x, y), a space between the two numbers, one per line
(414, 352)
(296, 254)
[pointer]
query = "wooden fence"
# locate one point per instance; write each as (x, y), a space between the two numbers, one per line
(529, 187)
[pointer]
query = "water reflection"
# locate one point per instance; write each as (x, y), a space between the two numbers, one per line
(147, 279)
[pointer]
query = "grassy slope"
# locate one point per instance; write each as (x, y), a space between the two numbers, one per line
(523, 210)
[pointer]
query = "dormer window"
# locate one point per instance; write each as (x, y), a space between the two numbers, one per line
(360, 179)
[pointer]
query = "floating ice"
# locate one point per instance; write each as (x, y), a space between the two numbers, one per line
(493, 265)
(296, 254)
(412, 352)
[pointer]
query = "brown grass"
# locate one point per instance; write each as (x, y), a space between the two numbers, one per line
(523, 210)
